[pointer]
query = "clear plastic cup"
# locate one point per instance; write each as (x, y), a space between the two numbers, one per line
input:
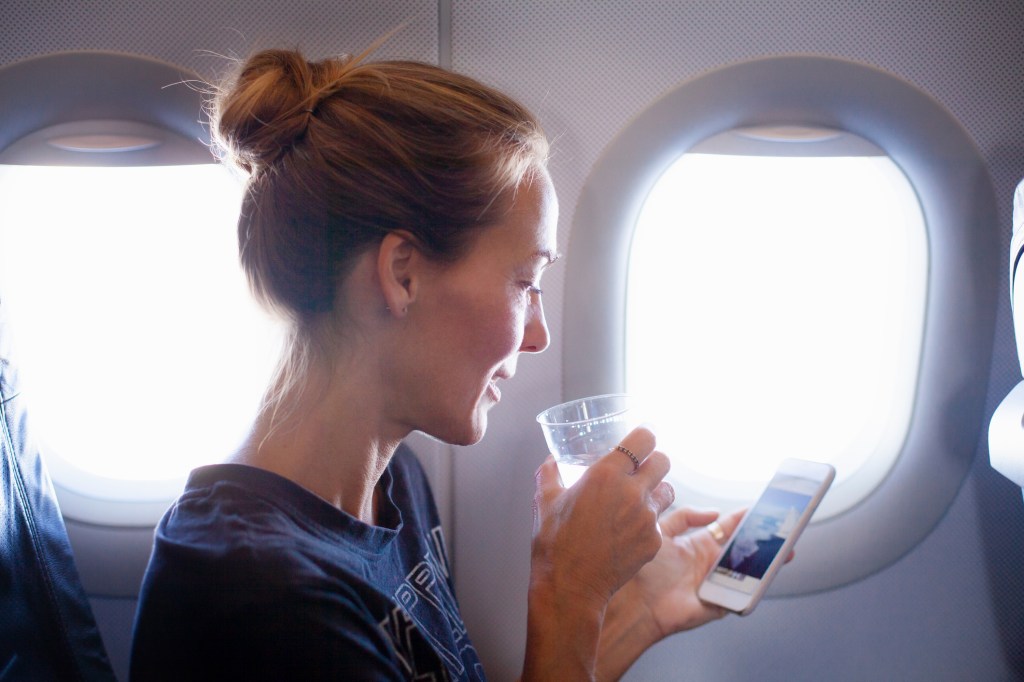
(582, 431)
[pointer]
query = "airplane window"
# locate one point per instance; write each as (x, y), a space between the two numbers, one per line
(133, 328)
(800, 253)
(775, 308)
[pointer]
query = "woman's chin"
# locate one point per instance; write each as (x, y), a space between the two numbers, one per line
(476, 432)
(469, 432)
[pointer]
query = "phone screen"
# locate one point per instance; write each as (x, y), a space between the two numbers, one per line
(757, 542)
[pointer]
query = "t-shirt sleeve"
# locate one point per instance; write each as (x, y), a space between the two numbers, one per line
(252, 578)
(306, 628)
(253, 611)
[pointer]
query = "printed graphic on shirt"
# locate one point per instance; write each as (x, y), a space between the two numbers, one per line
(437, 539)
(419, 661)
(425, 598)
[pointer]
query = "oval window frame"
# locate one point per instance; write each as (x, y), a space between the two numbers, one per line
(82, 93)
(88, 93)
(958, 201)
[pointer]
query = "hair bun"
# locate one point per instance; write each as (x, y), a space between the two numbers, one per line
(267, 108)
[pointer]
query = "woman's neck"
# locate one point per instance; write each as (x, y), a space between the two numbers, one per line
(329, 441)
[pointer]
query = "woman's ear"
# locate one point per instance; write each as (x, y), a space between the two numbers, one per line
(398, 264)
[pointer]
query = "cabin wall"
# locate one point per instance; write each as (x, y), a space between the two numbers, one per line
(950, 609)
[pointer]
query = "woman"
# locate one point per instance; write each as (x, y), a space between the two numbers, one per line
(400, 217)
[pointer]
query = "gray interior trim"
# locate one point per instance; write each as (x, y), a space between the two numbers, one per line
(69, 88)
(958, 202)
(110, 560)
(779, 141)
(444, 34)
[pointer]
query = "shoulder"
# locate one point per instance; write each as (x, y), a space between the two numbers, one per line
(253, 628)
(237, 523)
(249, 574)
(225, 505)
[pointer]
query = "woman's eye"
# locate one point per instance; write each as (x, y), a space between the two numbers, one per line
(535, 290)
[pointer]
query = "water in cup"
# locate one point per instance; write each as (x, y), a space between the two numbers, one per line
(571, 468)
(580, 432)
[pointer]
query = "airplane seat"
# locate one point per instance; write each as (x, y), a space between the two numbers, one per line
(47, 628)
(1006, 430)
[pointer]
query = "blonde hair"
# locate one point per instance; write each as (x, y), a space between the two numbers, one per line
(341, 152)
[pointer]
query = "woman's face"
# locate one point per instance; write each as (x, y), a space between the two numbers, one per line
(474, 317)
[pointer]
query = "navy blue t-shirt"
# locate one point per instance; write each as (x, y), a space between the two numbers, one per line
(255, 578)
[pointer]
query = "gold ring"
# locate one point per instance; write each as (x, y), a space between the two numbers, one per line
(716, 531)
(629, 453)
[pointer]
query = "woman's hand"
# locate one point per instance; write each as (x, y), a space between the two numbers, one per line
(593, 537)
(661, 599)
(589, 540)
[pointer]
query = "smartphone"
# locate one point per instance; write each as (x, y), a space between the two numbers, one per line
(766, 535)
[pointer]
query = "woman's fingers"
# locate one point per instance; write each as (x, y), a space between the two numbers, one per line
(682, 520)
(636, 456)
(663, 496)
(729, 522)
(630, 454)
(726, 526)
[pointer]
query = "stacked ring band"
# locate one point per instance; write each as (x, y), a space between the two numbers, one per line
(629, 453)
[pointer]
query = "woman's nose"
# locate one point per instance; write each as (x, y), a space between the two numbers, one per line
(536, 337)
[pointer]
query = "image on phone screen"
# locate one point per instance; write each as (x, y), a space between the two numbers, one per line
(766, 528)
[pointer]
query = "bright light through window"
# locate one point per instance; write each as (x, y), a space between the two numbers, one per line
(141, 352)
(776, 309)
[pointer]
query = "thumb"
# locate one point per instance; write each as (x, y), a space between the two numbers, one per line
(547, 475)
(549, 484)
(682, 520)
